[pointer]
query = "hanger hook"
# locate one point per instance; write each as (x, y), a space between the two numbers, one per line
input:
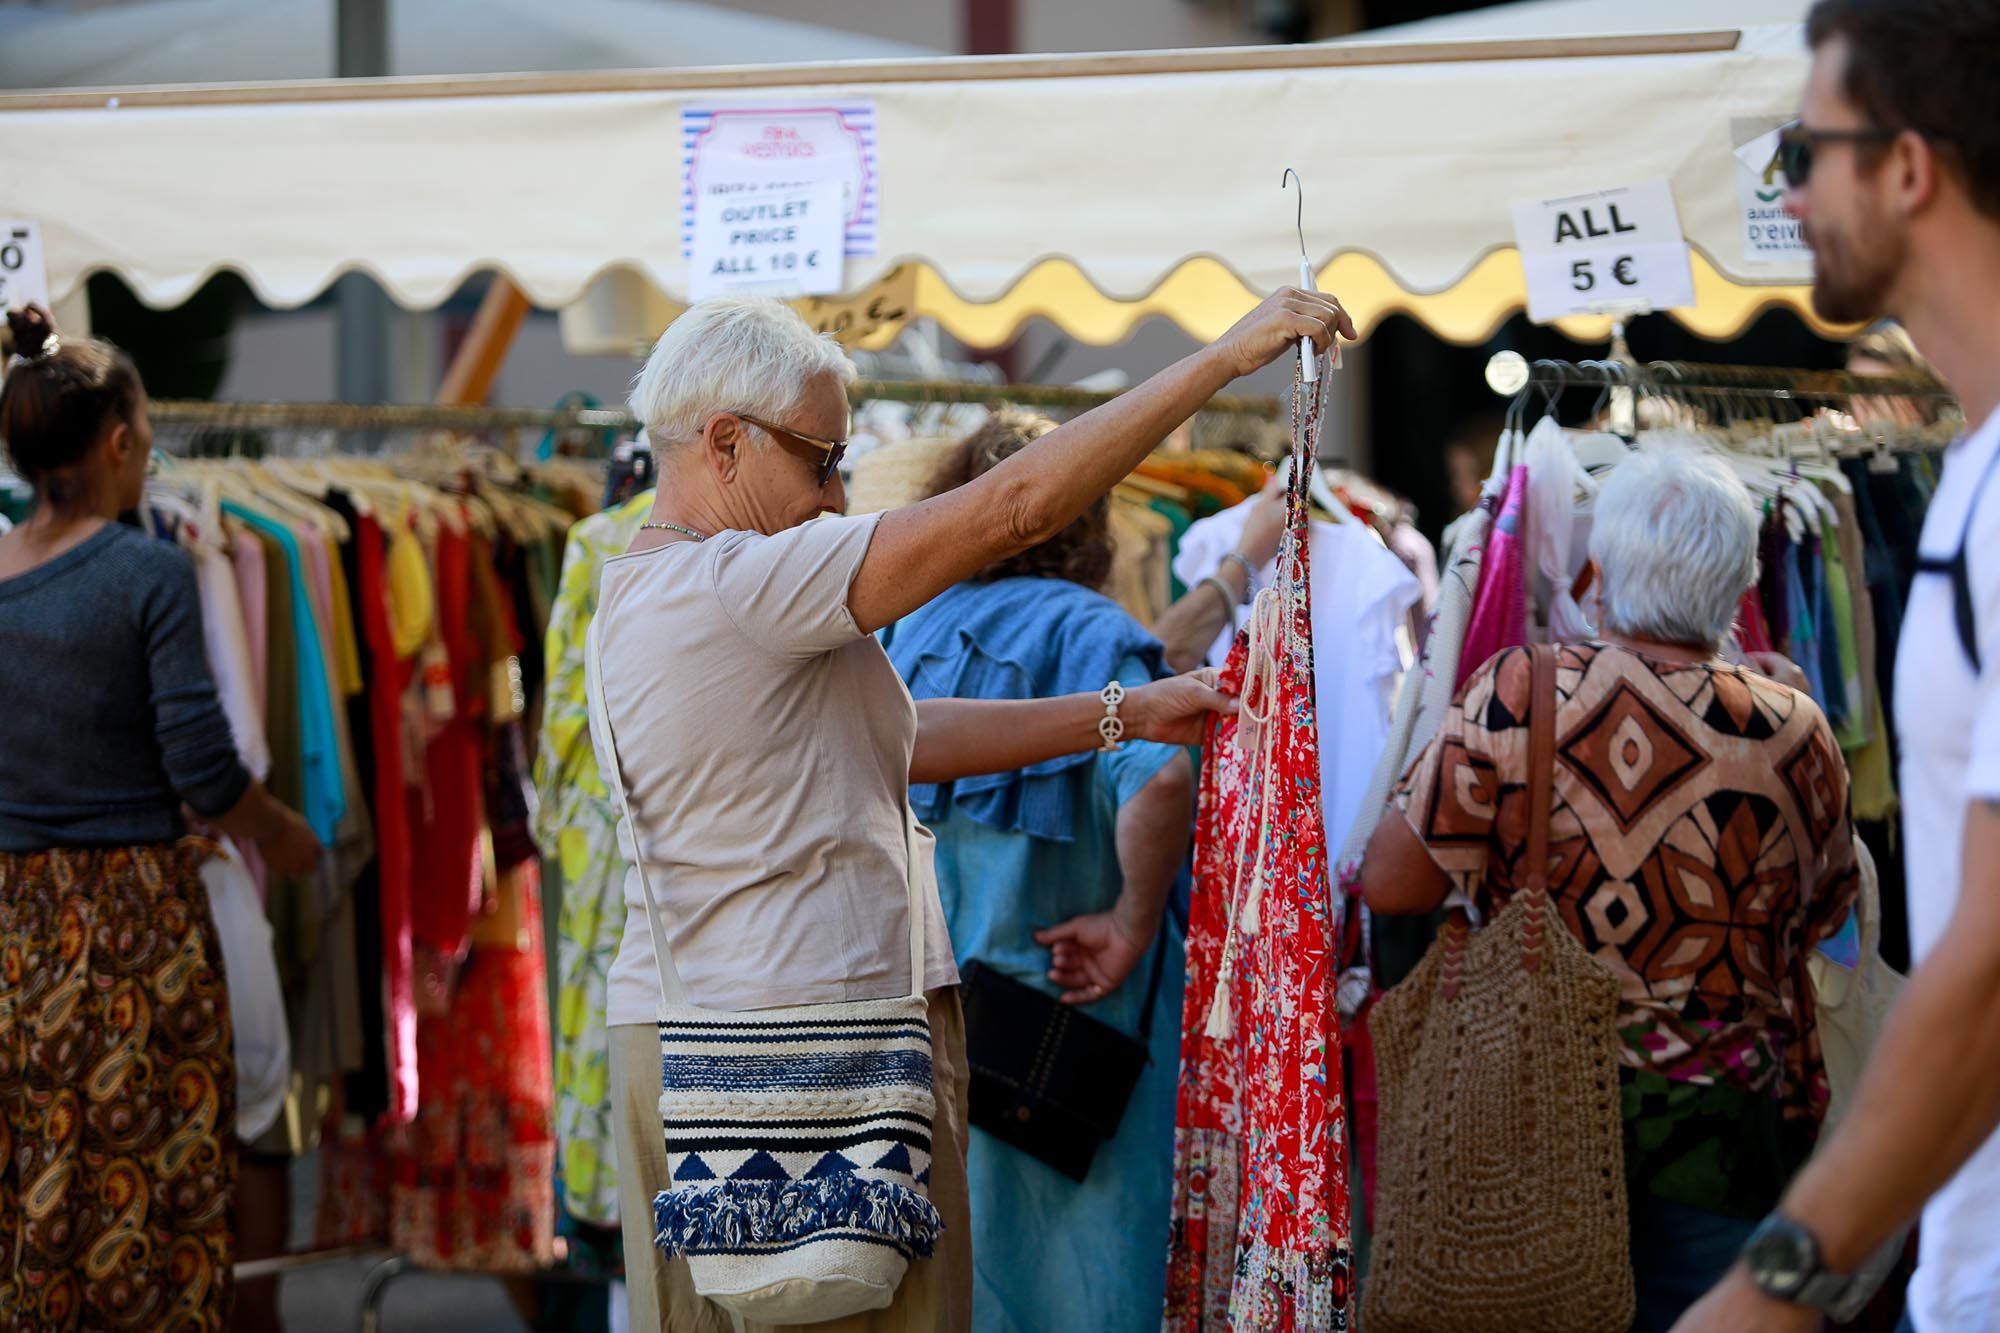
(1293, 178)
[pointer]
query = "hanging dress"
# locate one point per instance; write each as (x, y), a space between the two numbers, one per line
(1500, 610)
(1260, 1234)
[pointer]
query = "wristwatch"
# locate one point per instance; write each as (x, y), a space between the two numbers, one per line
(1784, 1261)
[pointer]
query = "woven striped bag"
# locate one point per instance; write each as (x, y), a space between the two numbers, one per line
(798, 1139)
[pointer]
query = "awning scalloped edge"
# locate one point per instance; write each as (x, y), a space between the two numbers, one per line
(1204, 297)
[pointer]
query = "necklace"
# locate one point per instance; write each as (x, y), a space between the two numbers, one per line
(673, 527)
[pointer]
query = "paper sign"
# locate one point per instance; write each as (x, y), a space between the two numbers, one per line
(24, 278)
(782, 241)
(1770, 235)
(870, 318)
(750, 149)
(1618, 250)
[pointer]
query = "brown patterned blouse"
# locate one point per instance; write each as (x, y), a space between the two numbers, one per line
(1700, 846)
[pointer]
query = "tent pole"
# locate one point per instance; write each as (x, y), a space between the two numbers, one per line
(476, 364)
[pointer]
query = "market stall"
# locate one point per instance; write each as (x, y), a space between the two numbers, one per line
(986, 205)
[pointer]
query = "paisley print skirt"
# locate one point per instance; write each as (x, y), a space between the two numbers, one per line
(117, 1094)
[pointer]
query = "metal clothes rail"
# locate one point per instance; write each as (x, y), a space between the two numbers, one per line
(1677, 378)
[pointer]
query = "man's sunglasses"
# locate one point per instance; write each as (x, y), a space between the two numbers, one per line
(1797, 145)
(824, 454)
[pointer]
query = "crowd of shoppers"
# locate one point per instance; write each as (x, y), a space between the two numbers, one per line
(788, 682)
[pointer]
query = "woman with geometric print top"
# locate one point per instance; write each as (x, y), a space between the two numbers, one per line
(1699, 847)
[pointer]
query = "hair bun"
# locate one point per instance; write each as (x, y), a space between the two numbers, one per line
(34, 331)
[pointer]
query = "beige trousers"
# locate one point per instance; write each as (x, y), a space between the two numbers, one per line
(936, 1294)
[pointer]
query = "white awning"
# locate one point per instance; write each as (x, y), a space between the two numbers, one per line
(1111, 186)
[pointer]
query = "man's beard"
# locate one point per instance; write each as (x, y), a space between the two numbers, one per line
(1851, 282)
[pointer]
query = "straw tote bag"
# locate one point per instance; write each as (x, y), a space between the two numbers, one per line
(798, 1139)
(1501, 1196)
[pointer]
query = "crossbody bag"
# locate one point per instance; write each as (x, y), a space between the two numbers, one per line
(798, 1139)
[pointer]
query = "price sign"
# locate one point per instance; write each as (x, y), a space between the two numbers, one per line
(782, 241)
(869, 318)
(1618, 250)
(24, 278)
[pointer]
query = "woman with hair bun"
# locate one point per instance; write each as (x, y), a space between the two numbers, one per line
(117, 1084)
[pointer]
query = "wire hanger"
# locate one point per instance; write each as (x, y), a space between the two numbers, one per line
(1308, 359)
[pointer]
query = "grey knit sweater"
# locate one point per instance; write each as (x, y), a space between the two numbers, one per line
(108, 715)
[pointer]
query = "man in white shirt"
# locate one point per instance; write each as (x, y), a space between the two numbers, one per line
(1895, 170)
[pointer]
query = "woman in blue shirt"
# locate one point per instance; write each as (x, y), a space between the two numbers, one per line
(1059, 876)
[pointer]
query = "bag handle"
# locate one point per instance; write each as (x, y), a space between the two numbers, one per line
(1541, 795)
(1541, 780)
(672, 992)
(1541, 761)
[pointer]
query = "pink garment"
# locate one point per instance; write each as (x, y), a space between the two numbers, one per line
(1500, 607)
(246, 554)
(319, 582)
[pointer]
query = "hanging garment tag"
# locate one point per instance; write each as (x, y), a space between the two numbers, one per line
(1610, 251)
(24, 276)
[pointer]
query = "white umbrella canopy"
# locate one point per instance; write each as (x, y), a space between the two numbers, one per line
(228, 41)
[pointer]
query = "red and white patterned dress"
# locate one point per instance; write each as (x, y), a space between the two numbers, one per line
(1260, 1234)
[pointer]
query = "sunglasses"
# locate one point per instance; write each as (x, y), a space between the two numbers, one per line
(1797, 146)
(825, 454)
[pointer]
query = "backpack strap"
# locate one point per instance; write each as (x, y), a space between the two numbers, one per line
(1958, 568)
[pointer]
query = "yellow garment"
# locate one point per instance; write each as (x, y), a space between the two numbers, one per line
(1141, 573)
(897, 474)
(1872, 790)
(411, 604)
(346, 652)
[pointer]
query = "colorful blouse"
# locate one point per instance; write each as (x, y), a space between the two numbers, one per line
(576, 825)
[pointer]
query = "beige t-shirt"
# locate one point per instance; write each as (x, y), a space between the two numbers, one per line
(766, 748)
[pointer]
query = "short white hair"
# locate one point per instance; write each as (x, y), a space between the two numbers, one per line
(731, 354)
(1674, 535)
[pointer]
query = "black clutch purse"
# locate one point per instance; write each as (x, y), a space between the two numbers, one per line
(1047, 1077)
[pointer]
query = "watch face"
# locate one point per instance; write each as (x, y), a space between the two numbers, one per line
(1781, 1257)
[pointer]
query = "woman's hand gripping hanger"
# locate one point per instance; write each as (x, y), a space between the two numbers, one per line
(1308, 362)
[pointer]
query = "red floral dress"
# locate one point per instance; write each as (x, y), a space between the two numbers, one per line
(1260, 1234)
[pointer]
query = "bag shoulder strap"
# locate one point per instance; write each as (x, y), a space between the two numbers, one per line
(672, 992)
(1541, 761)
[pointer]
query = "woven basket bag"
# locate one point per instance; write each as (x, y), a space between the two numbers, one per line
(798, 1139)
(1500, 1197)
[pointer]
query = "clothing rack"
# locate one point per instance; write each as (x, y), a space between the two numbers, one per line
(392, 417)
(1671, 378)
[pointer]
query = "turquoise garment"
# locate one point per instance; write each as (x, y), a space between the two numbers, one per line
(325, 788)
(1047, 1252)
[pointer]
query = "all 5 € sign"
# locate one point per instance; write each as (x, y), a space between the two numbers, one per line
(1618, 250)
(24, 277)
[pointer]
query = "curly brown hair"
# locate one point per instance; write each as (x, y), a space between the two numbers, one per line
(1081, 552)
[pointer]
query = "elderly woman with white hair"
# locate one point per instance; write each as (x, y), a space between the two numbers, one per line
(1699, 847)
(767, 746)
